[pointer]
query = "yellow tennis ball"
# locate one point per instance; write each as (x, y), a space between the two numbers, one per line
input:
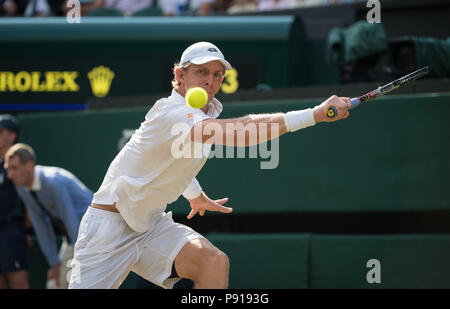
(196, 97)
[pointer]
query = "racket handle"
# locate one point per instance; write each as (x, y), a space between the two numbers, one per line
(355, 102)
(332, 111)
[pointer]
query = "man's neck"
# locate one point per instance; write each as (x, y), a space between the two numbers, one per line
(180, 92)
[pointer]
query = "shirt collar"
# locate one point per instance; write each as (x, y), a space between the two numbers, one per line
(214, 106)
(36, 185)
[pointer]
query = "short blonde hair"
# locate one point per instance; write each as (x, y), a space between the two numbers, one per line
(24, 152)
(176, 83)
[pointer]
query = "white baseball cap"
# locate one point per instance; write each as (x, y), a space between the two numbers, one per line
(203, 52)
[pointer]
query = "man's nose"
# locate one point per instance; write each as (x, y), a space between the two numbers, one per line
(209, 80)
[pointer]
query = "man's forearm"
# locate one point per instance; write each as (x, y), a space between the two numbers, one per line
(252, 129)
(255, 129)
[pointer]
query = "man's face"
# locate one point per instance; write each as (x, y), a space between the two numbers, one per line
(20, 174)
(209, 76)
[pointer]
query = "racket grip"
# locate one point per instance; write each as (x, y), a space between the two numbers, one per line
(332, 111)
(355, 102)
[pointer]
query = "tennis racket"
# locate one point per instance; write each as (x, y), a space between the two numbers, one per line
(332, 111)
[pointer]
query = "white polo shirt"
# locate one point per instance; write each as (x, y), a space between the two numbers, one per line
(147, 174)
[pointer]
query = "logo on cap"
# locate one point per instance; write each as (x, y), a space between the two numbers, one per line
(212, 49)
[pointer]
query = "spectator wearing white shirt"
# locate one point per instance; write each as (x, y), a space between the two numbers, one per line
(267, 5)
(128, 7)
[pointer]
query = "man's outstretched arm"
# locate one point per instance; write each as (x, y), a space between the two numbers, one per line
(255, 129)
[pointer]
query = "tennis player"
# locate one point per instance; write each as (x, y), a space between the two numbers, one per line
(127, 228)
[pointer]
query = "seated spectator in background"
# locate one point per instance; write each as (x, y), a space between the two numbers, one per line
(201, 7)
(169, 7)
(55, 199)
(241, 6)
(128, 7)
(13, 248)
(37, 8)
(303, 3)
(221, 6)
(31, 8)
(186, 7)
(13, 7)
(266, 5)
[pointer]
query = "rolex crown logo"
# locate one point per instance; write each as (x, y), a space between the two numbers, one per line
(100, 78)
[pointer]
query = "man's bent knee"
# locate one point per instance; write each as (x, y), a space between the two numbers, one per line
(216, 267)
(213, 272)
(200, 261)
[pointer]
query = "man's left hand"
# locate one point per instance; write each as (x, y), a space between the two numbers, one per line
(202, 203)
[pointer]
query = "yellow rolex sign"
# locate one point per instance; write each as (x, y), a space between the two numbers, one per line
(100, 78)
(35, 81)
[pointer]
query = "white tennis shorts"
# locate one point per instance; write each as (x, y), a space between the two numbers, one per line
(107, 249)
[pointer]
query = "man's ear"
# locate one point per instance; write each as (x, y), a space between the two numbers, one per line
(29, 165)
(179, 74)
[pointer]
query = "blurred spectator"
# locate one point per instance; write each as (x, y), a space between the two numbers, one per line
(173, 7)
(240, 6)
(31, 8)
(202, 7)
(13, 7)
(56, 200)
(37, 8)
(13, 252)
(221, 6)
(265, 5)
(128, 7)
(186, 7)
(304, 3)
(169, 7)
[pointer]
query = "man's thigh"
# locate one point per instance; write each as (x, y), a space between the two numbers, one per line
(105, 251)
(162, 245)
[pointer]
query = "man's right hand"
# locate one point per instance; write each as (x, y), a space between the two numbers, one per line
(342, 104)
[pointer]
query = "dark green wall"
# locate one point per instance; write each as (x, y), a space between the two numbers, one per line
(335, 261)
